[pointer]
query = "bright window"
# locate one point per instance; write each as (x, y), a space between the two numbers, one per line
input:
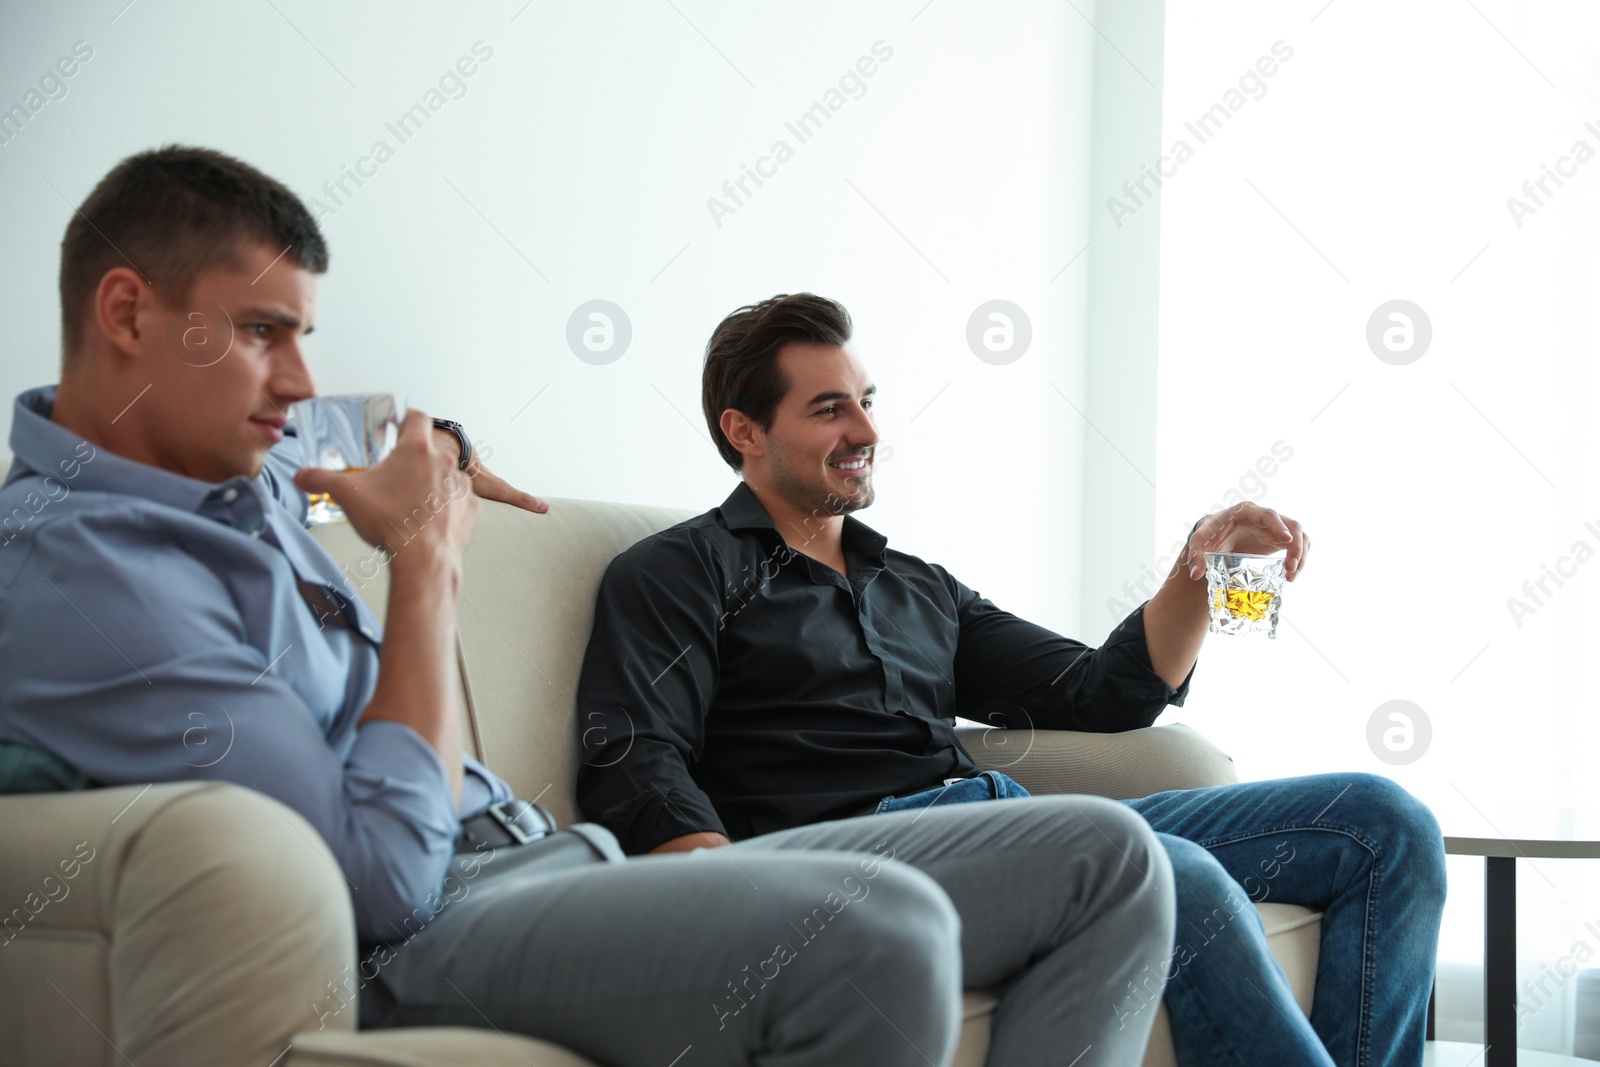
(1323, 161)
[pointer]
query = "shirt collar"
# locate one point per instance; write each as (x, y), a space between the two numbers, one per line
(48, 449)
(743, 511)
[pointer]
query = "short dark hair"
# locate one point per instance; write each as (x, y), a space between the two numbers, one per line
(742, 371)
(171, 214)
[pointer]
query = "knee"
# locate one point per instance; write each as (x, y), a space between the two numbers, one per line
(1201, 883)
(1215, 916)
(1119, 832)
(904, 950)
(1410, 842)
(870, 939)
(1134, 863)
(910, 924)
(1384, 808)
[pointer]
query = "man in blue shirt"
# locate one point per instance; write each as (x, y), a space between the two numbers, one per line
(164, 615)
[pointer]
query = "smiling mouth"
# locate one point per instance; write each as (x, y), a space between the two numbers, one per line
(856, 465)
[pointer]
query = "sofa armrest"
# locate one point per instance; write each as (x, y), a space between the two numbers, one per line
(188, 923)
(426, 1046)
(1121, 766)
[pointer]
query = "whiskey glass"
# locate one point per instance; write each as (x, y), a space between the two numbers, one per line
(345, 433)
(1244, 592)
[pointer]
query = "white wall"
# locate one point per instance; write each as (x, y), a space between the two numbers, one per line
(577, 165)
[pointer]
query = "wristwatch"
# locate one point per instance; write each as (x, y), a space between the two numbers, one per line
(455, 430)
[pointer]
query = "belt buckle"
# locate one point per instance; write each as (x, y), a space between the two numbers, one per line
(508, 822)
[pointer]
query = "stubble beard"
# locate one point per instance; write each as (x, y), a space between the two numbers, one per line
(814, 497)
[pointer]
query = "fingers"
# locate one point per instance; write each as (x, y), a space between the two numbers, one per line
(416, 424)
(322, 480)
(1272, 523)
(1296, 560)
(410, 445)
(501, 491)
(312, 480)
(1248, 527)
(1209, 526)
(490, 486)
(336, 484)
(1199, 543)
(1293, 535)
(1208, 537)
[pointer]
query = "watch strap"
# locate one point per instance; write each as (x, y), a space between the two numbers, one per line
(456, 430)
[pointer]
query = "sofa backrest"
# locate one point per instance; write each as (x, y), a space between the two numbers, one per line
(527, 605)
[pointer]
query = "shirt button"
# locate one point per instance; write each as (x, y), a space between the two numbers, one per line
(230, 496)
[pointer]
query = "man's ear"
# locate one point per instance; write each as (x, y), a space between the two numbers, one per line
(120, 300)
(743, 433)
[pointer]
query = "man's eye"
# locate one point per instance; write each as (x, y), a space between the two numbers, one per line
(826, 411)
(260, 329)
(866, 403)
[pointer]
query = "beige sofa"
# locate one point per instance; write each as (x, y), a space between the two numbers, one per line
(204, 924)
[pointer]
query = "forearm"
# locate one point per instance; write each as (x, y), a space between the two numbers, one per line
(417, 674)
(647, 799)
(689, 842)
(1175, 622)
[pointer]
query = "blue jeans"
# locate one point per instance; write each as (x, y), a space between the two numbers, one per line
(990, 785)
(1356, 847)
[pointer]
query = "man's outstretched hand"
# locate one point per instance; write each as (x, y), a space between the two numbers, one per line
(1251, 529)
(1177, 617)
(490, 486)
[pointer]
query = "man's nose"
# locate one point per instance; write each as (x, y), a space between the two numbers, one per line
(291, 375)
(863, 429)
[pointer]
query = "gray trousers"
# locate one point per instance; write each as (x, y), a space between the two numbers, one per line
(835, 944)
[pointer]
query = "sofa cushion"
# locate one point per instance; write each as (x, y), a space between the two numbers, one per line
(428, 1047)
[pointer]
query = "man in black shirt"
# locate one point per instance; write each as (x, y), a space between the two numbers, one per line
(772, 664)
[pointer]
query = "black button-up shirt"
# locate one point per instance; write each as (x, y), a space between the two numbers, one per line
(734, 685)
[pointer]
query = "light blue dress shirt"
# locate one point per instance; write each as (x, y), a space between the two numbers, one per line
(157, 628)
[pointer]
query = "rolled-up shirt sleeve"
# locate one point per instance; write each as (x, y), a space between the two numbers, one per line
(140, 667)
(1015, 673)
(648, 680)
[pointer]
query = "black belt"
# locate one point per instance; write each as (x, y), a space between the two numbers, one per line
(510, 822)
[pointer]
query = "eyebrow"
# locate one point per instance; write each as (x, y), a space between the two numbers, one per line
(273, 315)
(822, 398)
